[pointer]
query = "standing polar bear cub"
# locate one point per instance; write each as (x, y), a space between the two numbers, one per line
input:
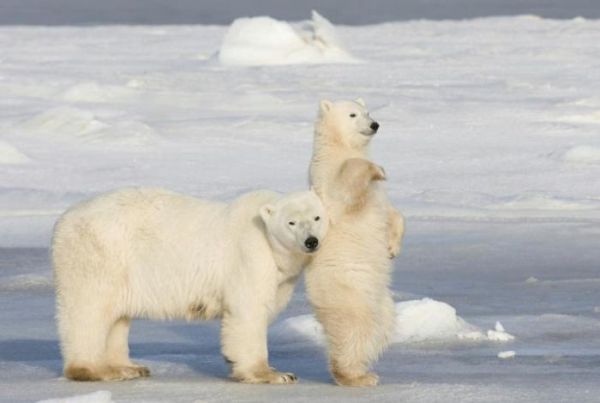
(348, 281)
(156, 254)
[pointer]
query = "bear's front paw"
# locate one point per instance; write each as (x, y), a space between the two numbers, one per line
(284, 377)
(270, 377)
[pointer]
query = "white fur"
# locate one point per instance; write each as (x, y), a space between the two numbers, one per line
(347, 282)
(155, 254)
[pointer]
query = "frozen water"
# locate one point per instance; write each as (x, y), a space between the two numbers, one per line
(466, 264)
(489, 139)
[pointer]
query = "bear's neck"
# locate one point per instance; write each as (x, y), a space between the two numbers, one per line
(289, 263)
(328, 156)
(329, 142)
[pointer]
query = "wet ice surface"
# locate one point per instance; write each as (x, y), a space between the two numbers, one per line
(479, 268)
(489, 139)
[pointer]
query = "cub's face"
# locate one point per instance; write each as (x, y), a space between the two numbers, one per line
(349, 120)
(297, 221)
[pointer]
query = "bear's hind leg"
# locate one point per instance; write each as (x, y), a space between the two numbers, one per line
(354, 343)
(84, 336)
(117, 348)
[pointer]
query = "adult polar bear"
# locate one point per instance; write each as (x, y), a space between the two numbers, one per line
(156, 254)
(347, 283)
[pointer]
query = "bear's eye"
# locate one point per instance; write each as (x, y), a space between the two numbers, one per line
(353, 115)
(292, 223)
(317, 218)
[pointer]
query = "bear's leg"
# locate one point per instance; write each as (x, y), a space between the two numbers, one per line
(244, 345)
(117, 347)
(354, 343)
(84, 336)
(387, 308)
(395, 231)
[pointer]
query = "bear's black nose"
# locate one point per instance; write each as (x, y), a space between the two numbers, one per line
(311, 243)
(374, 126)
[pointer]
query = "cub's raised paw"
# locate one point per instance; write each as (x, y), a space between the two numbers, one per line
(394, 249)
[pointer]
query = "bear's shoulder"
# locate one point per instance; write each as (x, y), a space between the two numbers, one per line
(253, 201)
(244, 212)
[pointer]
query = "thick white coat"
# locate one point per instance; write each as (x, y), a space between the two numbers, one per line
(156, 254)
(348, 282)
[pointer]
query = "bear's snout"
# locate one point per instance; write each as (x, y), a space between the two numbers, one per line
(311, 243)
(374, 126)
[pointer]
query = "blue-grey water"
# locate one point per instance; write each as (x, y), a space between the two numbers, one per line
(351, 12)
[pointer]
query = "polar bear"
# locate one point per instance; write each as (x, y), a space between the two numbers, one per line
(156, 254)
(348, 282)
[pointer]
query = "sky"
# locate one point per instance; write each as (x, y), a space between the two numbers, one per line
(222, 12)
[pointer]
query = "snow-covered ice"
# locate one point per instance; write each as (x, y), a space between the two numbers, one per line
(583, 155)
(489, 138)
(266, 41)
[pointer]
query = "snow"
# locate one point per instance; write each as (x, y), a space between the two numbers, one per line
(266, 41)
(583, 155)
(489, 139)
(101, 396)
(430, 320)
(506, 354)
(10, 155)
(68, 122)
(417, 321)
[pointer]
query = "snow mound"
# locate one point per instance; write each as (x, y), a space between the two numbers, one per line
(583, 155)
(266, 41)
(417, 321)
(102, 396)
(91, 91)
(25, 282)
(540, 201)
(68, 123)
(589, 118)
(499, 334)
(10, 155)
(304, 326)
(506, 354)
(429, 320)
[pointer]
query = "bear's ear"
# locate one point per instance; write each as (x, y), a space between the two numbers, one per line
(266, 212)
(325, 106)
(361, 102)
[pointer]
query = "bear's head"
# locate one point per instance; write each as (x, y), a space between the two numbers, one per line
(298, 221)
(346, 122)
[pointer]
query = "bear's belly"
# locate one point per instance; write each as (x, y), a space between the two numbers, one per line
(205, 309)
(184, 291)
